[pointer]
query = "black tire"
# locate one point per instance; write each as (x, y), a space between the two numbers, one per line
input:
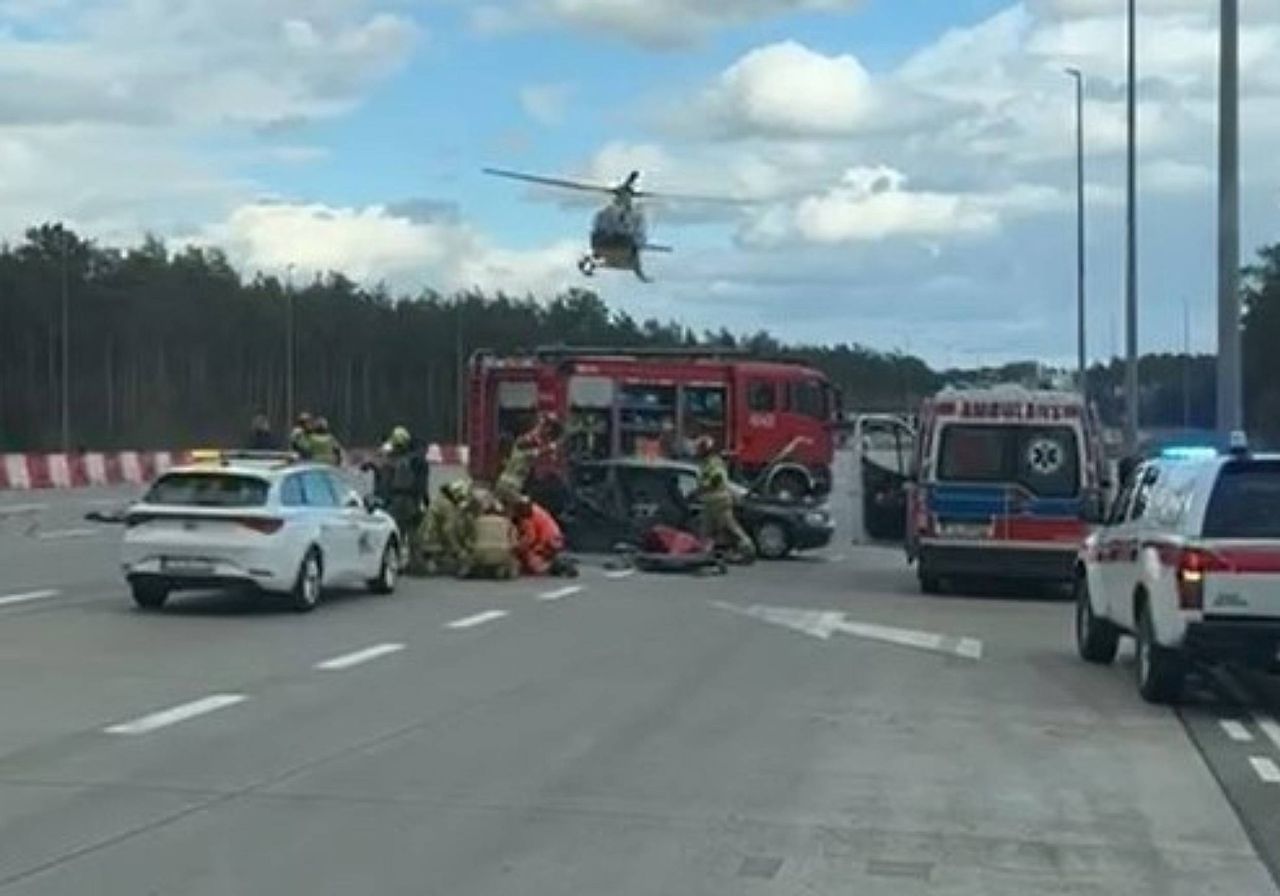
(930, 583)
(388, 570)
(1160, 671)
(1097, 640)
(773, 541)
(305, 595)
(149, 595)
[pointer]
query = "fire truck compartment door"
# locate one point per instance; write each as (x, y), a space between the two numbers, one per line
(590, 392)
(522, 395)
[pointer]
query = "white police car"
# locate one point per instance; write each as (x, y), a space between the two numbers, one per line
(261, 520)
(1188, 563)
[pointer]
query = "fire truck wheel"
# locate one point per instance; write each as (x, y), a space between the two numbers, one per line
(929, 582)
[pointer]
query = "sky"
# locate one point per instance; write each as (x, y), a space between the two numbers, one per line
(906, 167)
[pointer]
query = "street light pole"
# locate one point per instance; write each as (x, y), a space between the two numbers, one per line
(288, 347)
(66, 343)
(1131, 245)
(1082, 360)
(1230, 380)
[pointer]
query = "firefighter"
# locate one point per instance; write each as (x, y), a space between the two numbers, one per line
(719, 524)
(405, 492)
(539, 541)
(540, 440)
(323, 448)
(441, 531)
(300, 436)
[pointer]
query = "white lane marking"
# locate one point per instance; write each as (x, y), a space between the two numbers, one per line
(825, 623)
(355, 658)
(176, 714)
(1266, 769)
(14, 509)
(60, 534)
(971, 648)
(1236, 731)
(838, 558)
(11, 599)
(560, 593)
(619, 573)
(1270, 727)
(478, 619)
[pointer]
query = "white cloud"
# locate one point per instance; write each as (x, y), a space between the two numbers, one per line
(546, 104)
(404, 247)
(788, 89)
(653, 23)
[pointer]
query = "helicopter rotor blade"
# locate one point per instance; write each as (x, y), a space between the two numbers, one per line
(693, 198)
(551, 181)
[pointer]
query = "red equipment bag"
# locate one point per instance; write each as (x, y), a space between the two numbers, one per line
(669, 540)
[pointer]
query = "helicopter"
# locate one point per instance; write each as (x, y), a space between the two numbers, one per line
(619, 233)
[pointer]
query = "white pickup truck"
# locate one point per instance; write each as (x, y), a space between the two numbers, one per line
(1188, 563)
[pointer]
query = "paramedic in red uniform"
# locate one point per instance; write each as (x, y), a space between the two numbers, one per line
(539, 541)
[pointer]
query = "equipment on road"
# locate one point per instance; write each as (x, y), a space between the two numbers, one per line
(667, 549)
(619, 231)
(635, 403)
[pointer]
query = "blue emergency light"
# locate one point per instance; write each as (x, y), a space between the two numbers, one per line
(1188, 452)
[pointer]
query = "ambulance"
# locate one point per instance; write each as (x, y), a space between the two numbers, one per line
(1006, 483)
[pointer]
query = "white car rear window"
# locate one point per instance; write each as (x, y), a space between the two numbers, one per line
(1245, 502)
(208, 490)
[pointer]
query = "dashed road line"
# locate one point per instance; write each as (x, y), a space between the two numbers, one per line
(358, 657)
(560, 593)
(1266, 769)
(172, 716)
(15, 509)
(970, 648)
(62, 534)
(1236, 731)
(1270, 727)
(9, 600)
(478, 619)
(619, 573)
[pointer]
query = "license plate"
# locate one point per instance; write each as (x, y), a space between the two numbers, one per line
(964, 530)
(186, 566)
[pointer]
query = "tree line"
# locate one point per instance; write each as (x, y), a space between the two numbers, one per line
(175, 348)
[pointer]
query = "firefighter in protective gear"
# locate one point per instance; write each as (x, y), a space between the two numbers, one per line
(300, 436)
(487, 538)
(719, 524)
(540, 440)
(405, 486)
(441, 530)
(539, 541)
(322, 447)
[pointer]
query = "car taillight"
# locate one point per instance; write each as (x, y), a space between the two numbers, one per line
(266, 525)
(1193, 565)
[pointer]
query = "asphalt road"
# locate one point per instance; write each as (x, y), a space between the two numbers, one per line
(813, 726)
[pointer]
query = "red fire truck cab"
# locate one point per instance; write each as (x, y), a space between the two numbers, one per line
(656, 402)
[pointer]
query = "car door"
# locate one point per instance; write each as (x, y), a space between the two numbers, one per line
(369, 529)
(1111, 546)
(1127, 566)
(334, 530)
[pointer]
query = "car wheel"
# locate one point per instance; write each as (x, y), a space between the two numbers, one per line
(149, 595)
(773, 542)
(388, 570)
(306, 589)
(1160, 671)
(929, 582)
(1097, 639)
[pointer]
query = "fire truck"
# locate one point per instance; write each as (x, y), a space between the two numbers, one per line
(776, 419)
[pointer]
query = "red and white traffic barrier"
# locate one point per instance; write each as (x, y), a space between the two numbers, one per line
(24, 472)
